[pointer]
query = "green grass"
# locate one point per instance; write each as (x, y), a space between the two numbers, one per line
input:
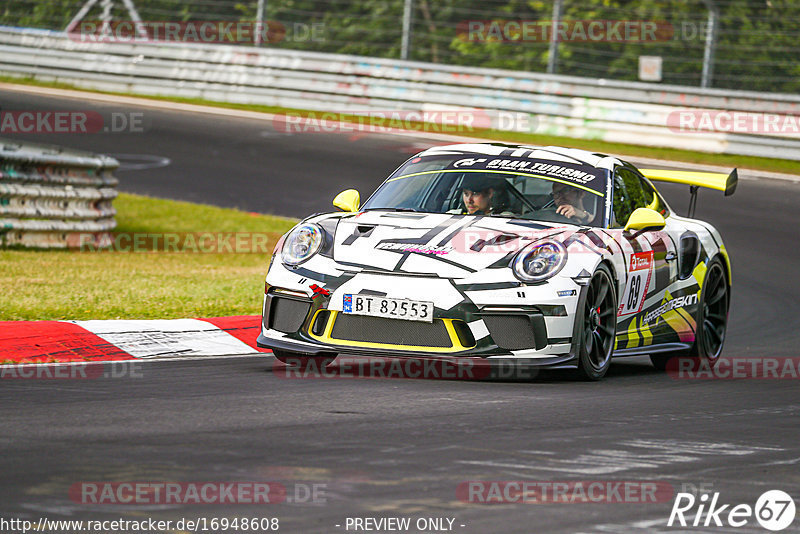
(674, 154)
(64, 284)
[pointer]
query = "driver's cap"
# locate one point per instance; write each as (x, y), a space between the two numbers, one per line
(478, 182)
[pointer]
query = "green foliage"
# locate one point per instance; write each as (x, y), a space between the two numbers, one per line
(756, 48)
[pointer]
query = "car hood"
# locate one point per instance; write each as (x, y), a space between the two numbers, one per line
(443, 245)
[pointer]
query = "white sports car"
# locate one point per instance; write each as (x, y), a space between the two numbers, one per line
(554, 257)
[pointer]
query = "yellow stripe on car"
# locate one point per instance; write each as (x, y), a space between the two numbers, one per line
(687, 317)
(633, 335)
(724, 252)
(647, 335)
(699, 273)
(639, 334)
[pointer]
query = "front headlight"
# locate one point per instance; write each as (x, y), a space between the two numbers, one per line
(301, 243)
(540, 261)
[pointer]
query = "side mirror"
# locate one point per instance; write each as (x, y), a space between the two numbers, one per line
(348, 200)
(645, 219)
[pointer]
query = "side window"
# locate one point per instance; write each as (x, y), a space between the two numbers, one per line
(655, 201)
(622, 204)
(629, 194)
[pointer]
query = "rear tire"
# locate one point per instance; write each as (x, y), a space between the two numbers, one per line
(596, 326)
(301, 362)
(712, 317)
(712, 320)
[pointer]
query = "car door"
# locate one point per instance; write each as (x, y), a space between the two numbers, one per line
(650, 263)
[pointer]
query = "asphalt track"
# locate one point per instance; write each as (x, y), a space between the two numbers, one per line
(400, 448)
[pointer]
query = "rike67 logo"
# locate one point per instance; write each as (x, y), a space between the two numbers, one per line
(774, 510)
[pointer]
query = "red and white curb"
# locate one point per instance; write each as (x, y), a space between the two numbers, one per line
(80, 341)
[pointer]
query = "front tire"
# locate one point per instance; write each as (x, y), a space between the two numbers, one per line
(596, 326)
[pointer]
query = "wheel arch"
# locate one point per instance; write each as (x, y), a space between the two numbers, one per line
(614, 274)
(722, 256)
(726, 262)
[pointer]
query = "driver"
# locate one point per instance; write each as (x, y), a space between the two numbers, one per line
(479, 196)
(569, 203)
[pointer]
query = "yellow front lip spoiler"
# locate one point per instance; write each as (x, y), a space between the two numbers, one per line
(326, 338)
(711, 180)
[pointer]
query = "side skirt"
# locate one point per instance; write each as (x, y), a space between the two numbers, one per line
(653, 349)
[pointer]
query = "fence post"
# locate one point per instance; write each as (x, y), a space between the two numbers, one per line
(552, 57)
(406, 42)
(711, 43)
(260, 29)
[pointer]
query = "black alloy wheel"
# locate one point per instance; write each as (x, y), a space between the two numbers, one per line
(598, 326)
(712, 321)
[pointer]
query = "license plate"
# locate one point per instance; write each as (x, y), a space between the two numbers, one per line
(409, 310)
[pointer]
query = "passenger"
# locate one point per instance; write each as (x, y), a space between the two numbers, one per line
(569, 203)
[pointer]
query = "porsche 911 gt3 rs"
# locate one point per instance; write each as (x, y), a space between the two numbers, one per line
(549, 256)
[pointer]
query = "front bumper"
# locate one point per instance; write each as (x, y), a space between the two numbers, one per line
(297, 323)
(564, 361)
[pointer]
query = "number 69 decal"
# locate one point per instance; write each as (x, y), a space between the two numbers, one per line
(640, 272)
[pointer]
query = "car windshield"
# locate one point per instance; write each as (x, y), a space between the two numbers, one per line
(476, 184)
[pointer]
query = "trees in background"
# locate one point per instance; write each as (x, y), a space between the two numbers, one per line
(756, 48)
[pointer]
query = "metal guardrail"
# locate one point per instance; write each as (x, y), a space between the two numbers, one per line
(627, 112)
(55, 198)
